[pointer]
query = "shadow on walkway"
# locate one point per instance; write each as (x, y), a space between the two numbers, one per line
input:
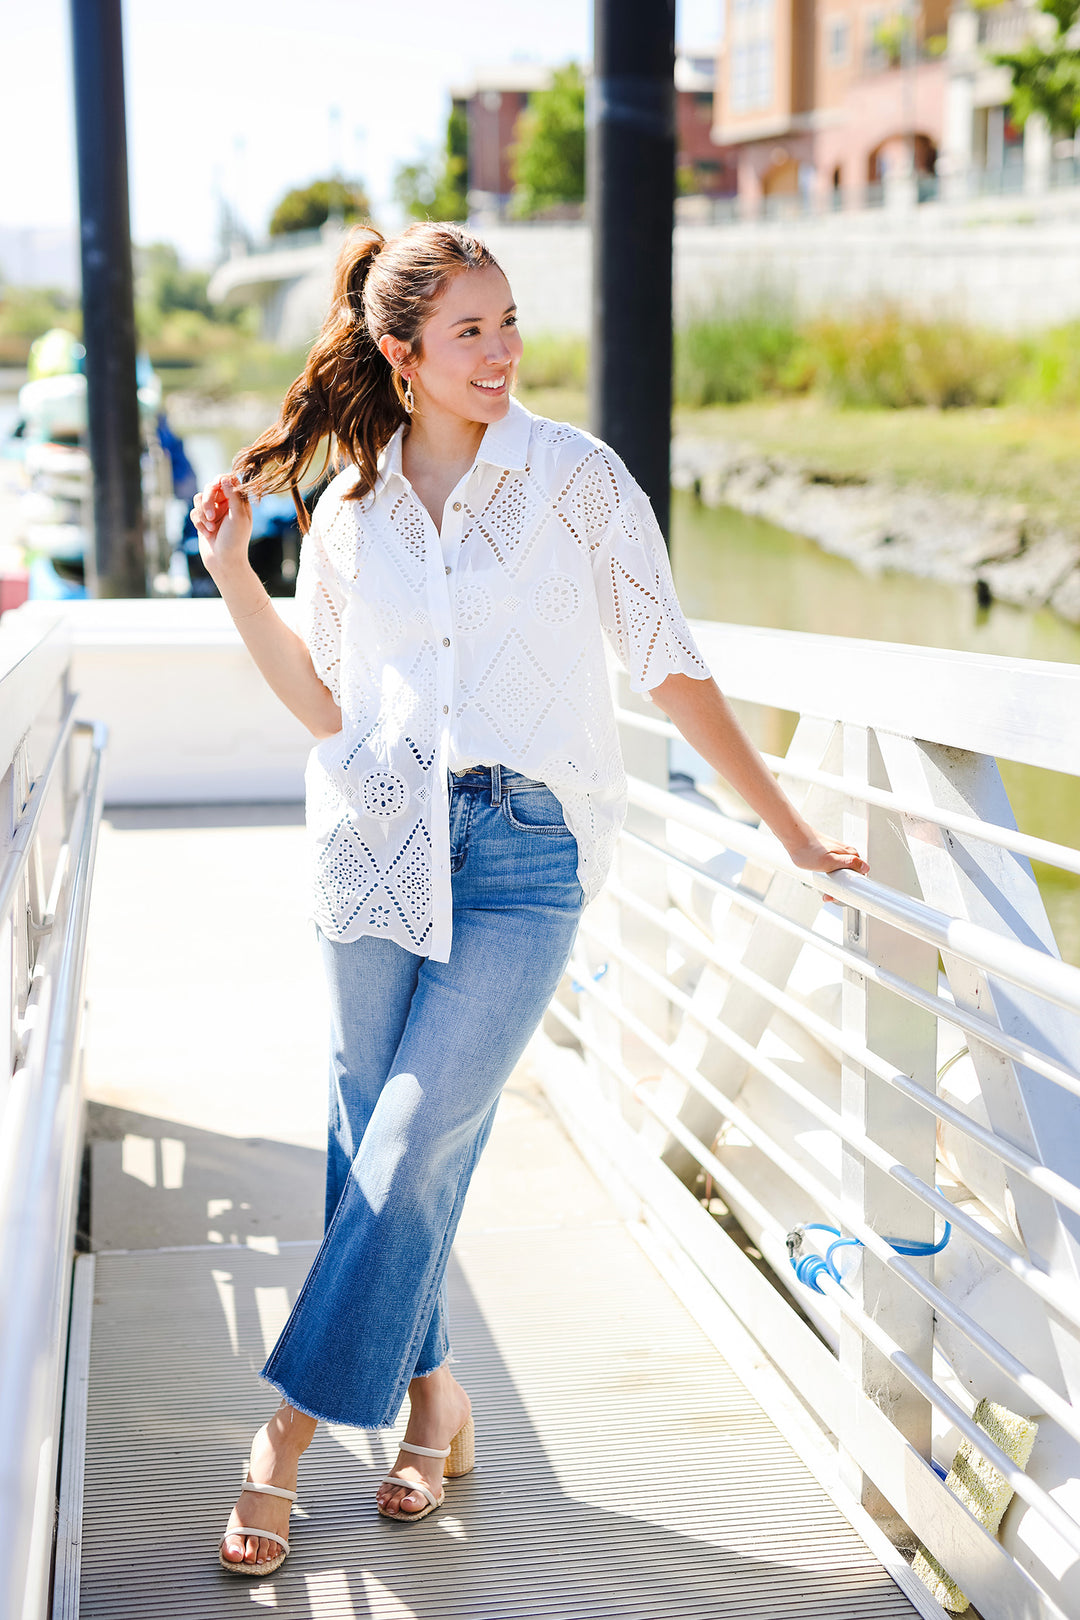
(697, 1507)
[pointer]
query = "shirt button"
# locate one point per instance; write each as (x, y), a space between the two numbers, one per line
(457, 506)
(446, 708)
(446, 641)
(448, 570)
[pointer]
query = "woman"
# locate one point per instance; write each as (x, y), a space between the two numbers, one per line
(455, 589)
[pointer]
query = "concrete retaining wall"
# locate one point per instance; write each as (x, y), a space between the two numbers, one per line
(1011, 263)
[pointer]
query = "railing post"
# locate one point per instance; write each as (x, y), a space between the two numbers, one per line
(974, 880)
(906, 1036)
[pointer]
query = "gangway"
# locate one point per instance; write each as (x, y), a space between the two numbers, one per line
(668, 1423)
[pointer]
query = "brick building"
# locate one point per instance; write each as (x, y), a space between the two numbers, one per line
(494, 99)
(826, 101)
(848, 103)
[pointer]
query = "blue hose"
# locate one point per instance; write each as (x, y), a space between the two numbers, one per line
(809, 1268)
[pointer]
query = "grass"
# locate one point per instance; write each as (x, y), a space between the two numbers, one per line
(873, 397)
(1015, 454)
(1012, 454)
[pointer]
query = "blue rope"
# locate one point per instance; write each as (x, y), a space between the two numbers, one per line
(810, 1268)
(578, 987)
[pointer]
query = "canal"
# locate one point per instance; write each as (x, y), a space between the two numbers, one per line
(742, 570)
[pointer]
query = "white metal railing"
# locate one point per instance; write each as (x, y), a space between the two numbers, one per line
(48, 838)
(906, 1056)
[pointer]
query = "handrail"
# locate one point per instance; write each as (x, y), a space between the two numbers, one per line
(1025, 1488)
(1051, 1291)
(679, 1065)
(1020, 709)
(1061, 856)
(1020, 964)
(22, 843)
(39, 1172)
(1047, 1181)
(979, 1028)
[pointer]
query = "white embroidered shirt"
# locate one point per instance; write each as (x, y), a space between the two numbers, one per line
(486, 646)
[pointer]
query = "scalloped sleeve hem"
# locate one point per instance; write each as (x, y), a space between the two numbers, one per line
(639, 608)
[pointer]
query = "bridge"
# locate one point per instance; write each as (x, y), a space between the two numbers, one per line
(671, 1418)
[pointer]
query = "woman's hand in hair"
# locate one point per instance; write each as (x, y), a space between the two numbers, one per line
(222, 515)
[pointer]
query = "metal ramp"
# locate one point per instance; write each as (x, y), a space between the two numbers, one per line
(622, 1468)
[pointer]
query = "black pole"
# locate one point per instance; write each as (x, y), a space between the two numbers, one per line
(108, 299)
(631, 186)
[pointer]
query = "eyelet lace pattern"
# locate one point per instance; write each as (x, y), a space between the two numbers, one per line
(501, 660)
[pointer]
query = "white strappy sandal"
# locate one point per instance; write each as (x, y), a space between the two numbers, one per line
(460, 1457)
(268, 1566)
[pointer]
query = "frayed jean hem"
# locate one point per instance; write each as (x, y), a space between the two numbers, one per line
(327, 1417)
(323, 1417)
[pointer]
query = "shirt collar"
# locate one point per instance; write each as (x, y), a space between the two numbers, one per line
(505, 444)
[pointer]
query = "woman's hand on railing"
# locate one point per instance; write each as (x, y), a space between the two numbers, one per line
(818, 854)
(222, 516)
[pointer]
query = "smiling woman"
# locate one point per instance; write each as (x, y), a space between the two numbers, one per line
(352, 393)
(459, 584)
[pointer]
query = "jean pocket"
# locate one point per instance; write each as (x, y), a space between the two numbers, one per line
(535, 810)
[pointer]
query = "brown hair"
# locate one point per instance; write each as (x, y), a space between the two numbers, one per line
(348, 395)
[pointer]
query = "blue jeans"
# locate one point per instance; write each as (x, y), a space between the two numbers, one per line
(420, 1051)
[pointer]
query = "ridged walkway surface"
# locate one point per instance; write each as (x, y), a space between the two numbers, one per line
(622, 1469)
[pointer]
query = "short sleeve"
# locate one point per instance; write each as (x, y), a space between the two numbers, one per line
(319, 601)
(639, 609)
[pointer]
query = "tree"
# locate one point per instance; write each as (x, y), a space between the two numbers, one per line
(308, 207)
(437, 187)
(548, 162)
(162, 282)
(1046, 71)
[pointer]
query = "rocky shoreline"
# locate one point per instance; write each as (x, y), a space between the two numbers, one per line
(1002, 551)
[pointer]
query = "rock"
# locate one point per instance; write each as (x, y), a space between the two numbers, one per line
(956, 539)
(1032, 578)
(1066, 598)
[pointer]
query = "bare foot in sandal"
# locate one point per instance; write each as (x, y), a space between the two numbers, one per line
(438, 1409)
(275, 1457)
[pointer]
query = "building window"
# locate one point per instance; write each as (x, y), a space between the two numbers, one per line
(875, 56)
(751, 81)
(838, 41)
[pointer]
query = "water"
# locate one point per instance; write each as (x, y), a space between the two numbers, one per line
(742, 570)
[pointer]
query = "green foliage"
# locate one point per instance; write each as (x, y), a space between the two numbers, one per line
(888, 360)
(307, 207)
(891, 36)
(26, 312)
(548, 159)
(1052, 374)
(735, 355)
(242, 366)
(175, 319)
(437, 187)
(554, 362)
(162, 283)
(1046, 74)
(880, 361)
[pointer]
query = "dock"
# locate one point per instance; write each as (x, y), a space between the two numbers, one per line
(623, 1469)
(683, 1406)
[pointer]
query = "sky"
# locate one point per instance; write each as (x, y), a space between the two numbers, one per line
(235, 98)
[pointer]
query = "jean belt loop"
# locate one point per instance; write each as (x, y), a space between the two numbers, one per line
(496, 784)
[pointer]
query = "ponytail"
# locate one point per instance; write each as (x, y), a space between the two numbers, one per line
(343, 400)
(347, 399)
